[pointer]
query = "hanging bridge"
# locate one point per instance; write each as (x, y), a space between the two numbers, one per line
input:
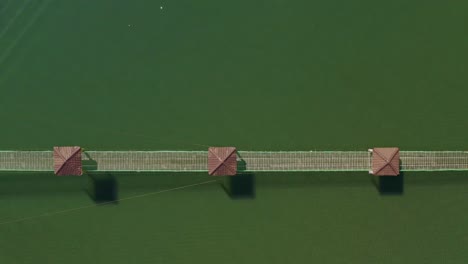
(249, 161)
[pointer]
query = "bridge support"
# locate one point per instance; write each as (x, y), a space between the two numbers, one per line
(390, 184)
(102, 187)
(240, 186)
(386, 167)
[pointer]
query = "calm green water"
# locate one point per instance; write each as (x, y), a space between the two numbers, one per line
(258, 75)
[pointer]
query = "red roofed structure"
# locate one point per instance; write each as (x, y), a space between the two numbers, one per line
(67, 161)
(222, 161)
(386, 161)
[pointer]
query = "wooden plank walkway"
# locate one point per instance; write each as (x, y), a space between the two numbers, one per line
(179, 161)
(26, 161)
(306, 161)
(434, 160)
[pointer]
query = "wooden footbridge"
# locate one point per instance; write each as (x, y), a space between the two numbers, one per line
(248, 161)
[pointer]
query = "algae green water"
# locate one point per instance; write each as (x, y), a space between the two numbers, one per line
(258, 75)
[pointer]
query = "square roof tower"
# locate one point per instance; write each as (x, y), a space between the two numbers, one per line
(222, 161)
(386, 161)
(67, 161)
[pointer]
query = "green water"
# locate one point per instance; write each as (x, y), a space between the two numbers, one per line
(258, 75)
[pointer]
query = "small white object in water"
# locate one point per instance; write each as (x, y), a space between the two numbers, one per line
(161, 7)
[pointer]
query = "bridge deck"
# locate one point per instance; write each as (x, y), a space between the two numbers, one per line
(248, 161)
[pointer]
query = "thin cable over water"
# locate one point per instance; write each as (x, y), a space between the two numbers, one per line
(111, 202)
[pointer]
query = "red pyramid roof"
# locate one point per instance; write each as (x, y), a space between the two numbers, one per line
(386, 161)
(222, 161)
(67, 161)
